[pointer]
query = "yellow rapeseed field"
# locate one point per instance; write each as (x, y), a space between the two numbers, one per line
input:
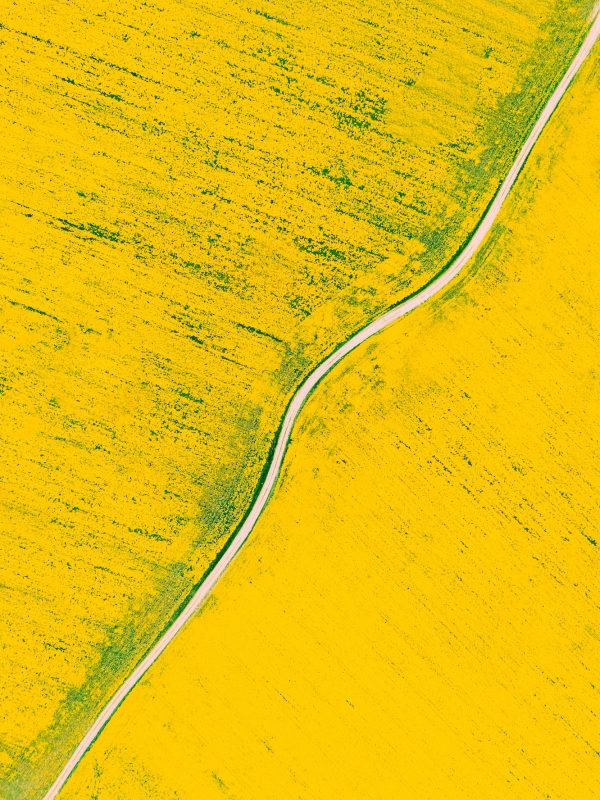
(416, 614)
(198, 202)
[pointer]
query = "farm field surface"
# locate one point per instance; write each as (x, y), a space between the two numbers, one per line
(198, 203)
(416, 613)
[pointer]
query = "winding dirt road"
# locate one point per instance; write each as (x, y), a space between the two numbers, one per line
(276, 458)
